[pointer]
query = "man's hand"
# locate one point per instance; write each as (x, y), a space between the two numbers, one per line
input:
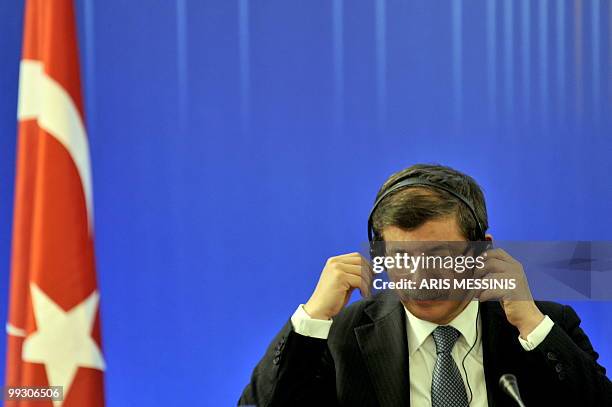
(521, 311)
(341, 275)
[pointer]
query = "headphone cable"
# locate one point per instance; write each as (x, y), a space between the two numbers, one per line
(467, 380)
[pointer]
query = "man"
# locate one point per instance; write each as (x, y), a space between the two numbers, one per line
(424, 351)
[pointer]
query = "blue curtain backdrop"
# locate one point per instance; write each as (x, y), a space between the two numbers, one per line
(237, 144)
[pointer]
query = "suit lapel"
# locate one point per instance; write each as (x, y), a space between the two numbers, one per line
(492, 348)
(384, 347)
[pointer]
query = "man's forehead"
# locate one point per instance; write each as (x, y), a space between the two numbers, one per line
(424, 246)
(443, 229)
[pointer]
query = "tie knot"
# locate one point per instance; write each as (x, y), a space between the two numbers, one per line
(445, 338)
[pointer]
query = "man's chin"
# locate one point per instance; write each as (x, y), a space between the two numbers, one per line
(427, 303)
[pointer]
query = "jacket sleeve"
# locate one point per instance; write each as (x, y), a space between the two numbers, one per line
(571, 357)
(296, 370)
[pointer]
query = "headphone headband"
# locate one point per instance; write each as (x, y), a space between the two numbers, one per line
(402, 183)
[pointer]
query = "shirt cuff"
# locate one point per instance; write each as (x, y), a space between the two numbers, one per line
(305, 325)
(537, 335)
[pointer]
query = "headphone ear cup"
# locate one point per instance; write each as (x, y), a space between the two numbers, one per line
(372, 250)
(377, 249)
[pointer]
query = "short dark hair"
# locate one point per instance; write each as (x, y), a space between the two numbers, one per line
(410, 207)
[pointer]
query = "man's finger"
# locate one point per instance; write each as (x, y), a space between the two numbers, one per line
(350, 258)
(353, 280)
(351, 268)
(490, 295)
(500, 254)
(493, 265)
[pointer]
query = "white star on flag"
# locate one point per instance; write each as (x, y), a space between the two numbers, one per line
(62, 341)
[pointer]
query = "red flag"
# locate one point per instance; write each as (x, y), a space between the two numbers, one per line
(53, 325)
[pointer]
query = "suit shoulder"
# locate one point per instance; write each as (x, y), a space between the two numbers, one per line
(555, 311)
(353, 313)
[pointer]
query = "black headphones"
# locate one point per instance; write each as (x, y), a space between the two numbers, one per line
(410, 181)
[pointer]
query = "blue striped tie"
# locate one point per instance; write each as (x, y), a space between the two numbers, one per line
(447, 388)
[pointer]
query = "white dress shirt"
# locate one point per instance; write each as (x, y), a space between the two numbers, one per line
(422, 350)
(422, 356)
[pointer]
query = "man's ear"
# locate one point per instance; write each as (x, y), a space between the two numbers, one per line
(489, 237)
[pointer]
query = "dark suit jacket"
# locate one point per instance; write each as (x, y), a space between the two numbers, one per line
(364, 362)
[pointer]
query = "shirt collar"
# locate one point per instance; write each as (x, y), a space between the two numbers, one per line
(419, 329)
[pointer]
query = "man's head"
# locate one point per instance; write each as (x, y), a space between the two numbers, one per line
(410, 207)
(424, 213)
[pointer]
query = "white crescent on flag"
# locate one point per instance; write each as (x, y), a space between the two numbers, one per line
(42, 99)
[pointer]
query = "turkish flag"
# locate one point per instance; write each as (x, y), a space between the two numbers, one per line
(54, 322)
